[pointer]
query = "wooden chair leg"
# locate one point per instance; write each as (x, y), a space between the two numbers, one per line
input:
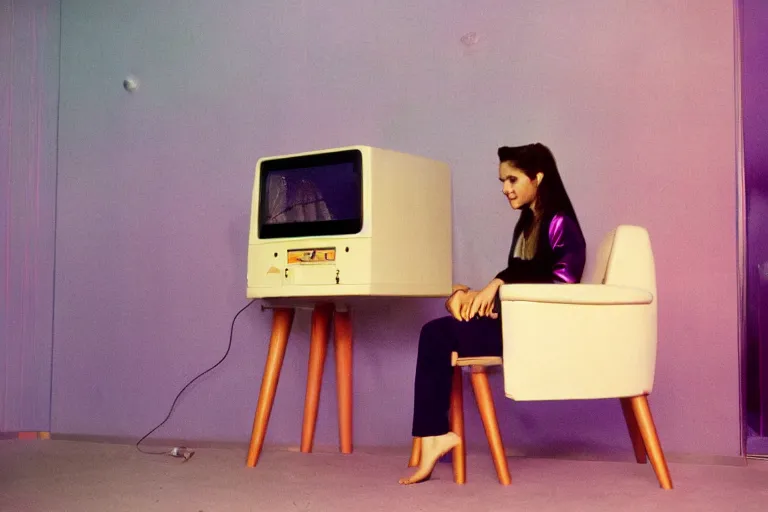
(282, 319)
(488, 414)
(343, 349)
(459, 454)
(634, 431)
(651, 439)
(415, 453)
(318, 346)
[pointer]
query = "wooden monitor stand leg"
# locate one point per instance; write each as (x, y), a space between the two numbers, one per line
(343, 346)
(318, 346)
(282, 319)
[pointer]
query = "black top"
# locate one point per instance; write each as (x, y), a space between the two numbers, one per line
(560, 254)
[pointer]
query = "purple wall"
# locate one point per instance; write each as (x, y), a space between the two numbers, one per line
(29, 70)
(154, 195)
(755, 105)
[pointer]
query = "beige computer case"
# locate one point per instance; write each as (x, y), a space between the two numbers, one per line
(403, 249)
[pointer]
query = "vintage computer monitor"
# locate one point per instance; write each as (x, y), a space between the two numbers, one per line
(351, 221)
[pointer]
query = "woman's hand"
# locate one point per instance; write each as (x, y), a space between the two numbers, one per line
(458, 301)
(464, 305)
(454, 303)
(457, 298)
(483, 302)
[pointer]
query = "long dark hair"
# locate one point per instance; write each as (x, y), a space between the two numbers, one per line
(551, 195)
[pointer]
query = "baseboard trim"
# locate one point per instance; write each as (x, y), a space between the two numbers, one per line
(26, 435)
(672, 457)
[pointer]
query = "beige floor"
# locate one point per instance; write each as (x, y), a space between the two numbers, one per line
(77, 476)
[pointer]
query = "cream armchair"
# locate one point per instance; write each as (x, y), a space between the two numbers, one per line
(589, 341)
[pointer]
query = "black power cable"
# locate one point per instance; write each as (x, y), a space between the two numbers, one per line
(180, 452)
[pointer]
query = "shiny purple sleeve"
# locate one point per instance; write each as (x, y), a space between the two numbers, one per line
(569, 250)
(563, 263)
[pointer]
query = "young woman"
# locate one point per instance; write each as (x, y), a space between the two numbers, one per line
(547, 247)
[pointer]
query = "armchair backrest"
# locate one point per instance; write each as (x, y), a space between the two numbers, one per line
(625, 258)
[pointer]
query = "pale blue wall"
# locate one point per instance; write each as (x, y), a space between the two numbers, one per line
(635, 98)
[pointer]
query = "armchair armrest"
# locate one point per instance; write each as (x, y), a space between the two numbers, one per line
(586, 294)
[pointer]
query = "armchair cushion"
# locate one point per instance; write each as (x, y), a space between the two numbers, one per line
(586, 294)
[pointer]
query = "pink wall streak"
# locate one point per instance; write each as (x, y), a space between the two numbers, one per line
(29, 65)
(635, 98)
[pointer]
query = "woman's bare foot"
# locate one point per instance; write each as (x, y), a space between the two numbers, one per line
(432, 448)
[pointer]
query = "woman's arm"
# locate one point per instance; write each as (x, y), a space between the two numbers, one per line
(569, 248)
(569, 251)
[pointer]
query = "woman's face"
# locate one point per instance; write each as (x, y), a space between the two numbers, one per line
(519, 188)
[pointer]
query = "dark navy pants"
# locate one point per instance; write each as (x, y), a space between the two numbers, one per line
(440, 337)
